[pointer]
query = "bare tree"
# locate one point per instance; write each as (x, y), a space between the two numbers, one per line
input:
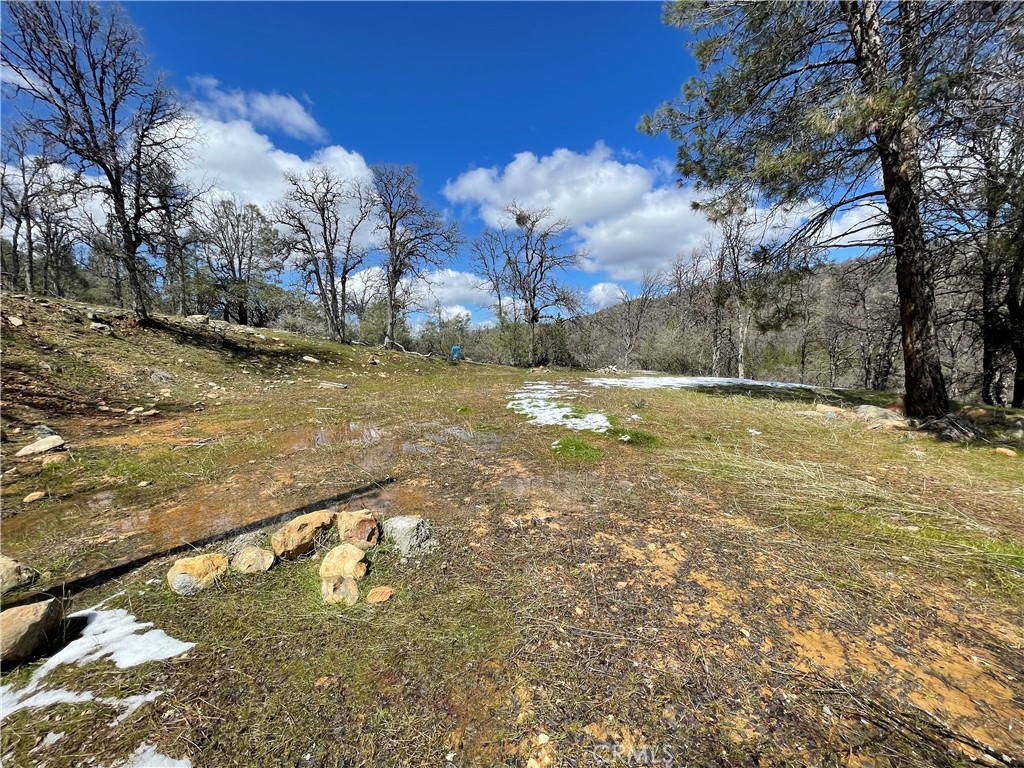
(414, 237)
(523, 260)
(241, 249)
(81, 67)
(634, 310)
(328, 218)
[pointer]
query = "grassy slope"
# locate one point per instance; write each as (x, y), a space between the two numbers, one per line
(818, 593)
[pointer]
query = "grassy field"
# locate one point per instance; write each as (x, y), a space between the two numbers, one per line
(817, 593)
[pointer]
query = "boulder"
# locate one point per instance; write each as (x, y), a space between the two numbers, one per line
(411, 534)
(14, 575)
(343, 590)
(874, 413)
(26, 629)
(190, 575)
(358, 528)
(253, 560)
(298, 536)
(339, 571)
(49, 443)
(897, 406)
(344, 561)
(379, 595)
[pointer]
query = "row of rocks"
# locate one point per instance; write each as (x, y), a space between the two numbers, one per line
(342, 567)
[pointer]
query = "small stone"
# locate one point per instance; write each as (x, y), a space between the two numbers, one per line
(309, 359)
(326, 681)
(298, 536)
(103, 328)
(410, 533)
(51, 443)
(34, 496)
(1006, 452)
(54, 458)
(15, 322)
(144, 484)
(42, 430)
(253, 560)
(336, 591)
(190, 575)
(331, 385)
(26, 629)
(358, 528)
(14, 575)
(379, 595)
(150, 412)
(136, 410)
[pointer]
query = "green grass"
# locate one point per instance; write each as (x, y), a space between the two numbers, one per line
(576, 449)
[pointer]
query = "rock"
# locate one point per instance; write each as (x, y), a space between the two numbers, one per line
(298, 536)
(198, 319)
(150, 412)
(343, 590)
(874, 413)
(15, 322)
(54, 458)
(103, 328)
(822, 408)
(144, 484)
(411, 534)
(243, 540)
(136, 410)
(253, 560)
(158, 377)
(331, 385)
(14, 575)
(896, 406)
(190, 575)
(339, 571)
(26, 629)
(358, 528)
(1006, 452)
(309, 359)
(979, 416)
(42, 430)
(51, 443)
(345, 561)
(379, 595)
(34, 496)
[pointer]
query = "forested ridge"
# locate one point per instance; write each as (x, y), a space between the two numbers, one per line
(860, 165)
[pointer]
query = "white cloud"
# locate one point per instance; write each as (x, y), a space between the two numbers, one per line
(238, 159)
(269, 111)
(604, 295)
(454, 289)
(629, 217)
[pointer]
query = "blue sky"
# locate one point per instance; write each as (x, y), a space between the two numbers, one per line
(536, 101)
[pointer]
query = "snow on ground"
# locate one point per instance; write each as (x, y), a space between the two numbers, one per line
(113, 635)
(146, 756)
(543, 404)
(684, 382)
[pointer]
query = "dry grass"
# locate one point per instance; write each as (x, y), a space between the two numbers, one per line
(815, 594)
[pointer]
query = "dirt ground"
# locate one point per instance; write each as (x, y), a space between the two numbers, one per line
(818, 593)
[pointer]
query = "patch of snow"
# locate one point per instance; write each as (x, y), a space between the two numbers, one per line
(540, 403)
(112, 635)
(624, 439)
(48, 741)
(754, 432)
(685, 382)
(12, 701)
(131, 704)
(146, 756)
